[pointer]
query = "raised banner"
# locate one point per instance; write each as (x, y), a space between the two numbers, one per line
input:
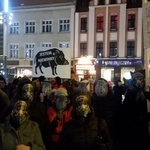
(51, 62)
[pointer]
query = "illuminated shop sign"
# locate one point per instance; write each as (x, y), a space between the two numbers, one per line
(120, 63)
(85, 64)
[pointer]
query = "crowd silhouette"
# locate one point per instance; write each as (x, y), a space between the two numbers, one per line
(53, 114)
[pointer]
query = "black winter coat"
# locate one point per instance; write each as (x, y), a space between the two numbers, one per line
(81, 137)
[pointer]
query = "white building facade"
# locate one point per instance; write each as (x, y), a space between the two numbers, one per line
(50, 25)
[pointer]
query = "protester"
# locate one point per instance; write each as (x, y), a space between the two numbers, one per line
(58, 114)
(20, 133)
(106, 106)
(81, 132)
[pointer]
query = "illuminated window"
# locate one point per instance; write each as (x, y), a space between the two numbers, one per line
(29, 26)
(100, 23)
(113, 23)
(83, 24)
(64, 25)
(131, 21)
(14, 48)
(47, 26)
(99, 49)
(14, 28)
(83, 49)
(29, 50)
(113, 49)
(130, 48)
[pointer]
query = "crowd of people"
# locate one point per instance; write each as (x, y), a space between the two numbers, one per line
(41, 114)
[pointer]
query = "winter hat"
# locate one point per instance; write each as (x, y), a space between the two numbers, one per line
(61, 92)
(22, 82)
(2, 79)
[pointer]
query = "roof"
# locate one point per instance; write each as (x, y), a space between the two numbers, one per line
(15, 3)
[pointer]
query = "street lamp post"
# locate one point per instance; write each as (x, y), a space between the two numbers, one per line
(5, 19)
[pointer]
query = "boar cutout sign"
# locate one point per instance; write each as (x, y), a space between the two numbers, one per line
(46, 63)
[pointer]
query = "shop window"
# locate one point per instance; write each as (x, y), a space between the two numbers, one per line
(100, 23)
(113, 22)
(99, 49)
(113, 49)
(84, 24)
(130, 48)
(131, 21)
(83, 49)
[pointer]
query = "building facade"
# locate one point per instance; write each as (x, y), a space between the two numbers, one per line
(41, 25)
(109, 34)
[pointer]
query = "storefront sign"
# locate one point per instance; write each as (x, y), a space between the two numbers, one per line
(119, 63)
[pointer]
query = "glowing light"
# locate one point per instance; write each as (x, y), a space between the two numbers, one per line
(6, 6)
(127, 75)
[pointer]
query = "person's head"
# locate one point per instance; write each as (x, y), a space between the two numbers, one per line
(20, 112)
(101, 87)
(118, 83)
(53, 81)
(73, 75)
(26, 89)
(82, 108)
(58, 80)
(61, 98)
(2, 82)
(137, 79)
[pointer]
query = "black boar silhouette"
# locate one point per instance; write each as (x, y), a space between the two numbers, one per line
(50, 58)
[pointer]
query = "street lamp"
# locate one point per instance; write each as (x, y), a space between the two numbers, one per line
(5, 19)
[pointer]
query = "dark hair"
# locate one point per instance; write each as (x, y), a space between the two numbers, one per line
(58, 80)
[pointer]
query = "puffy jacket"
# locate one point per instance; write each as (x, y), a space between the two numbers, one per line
(56, 123)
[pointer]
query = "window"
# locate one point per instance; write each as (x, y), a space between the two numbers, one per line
(48, 45)
(14, 28)
(131, 21)
(101, 2)
(134, 1)
(29, 50)
(46, 26)
(113, 49)
(64, 25)
(99, 49)
(130, 48)
(100, 23)
(114, 21)
(63, 44)
(14, 48)
(113, 2)
(83, 49)
(83, 24)
(29, 26)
